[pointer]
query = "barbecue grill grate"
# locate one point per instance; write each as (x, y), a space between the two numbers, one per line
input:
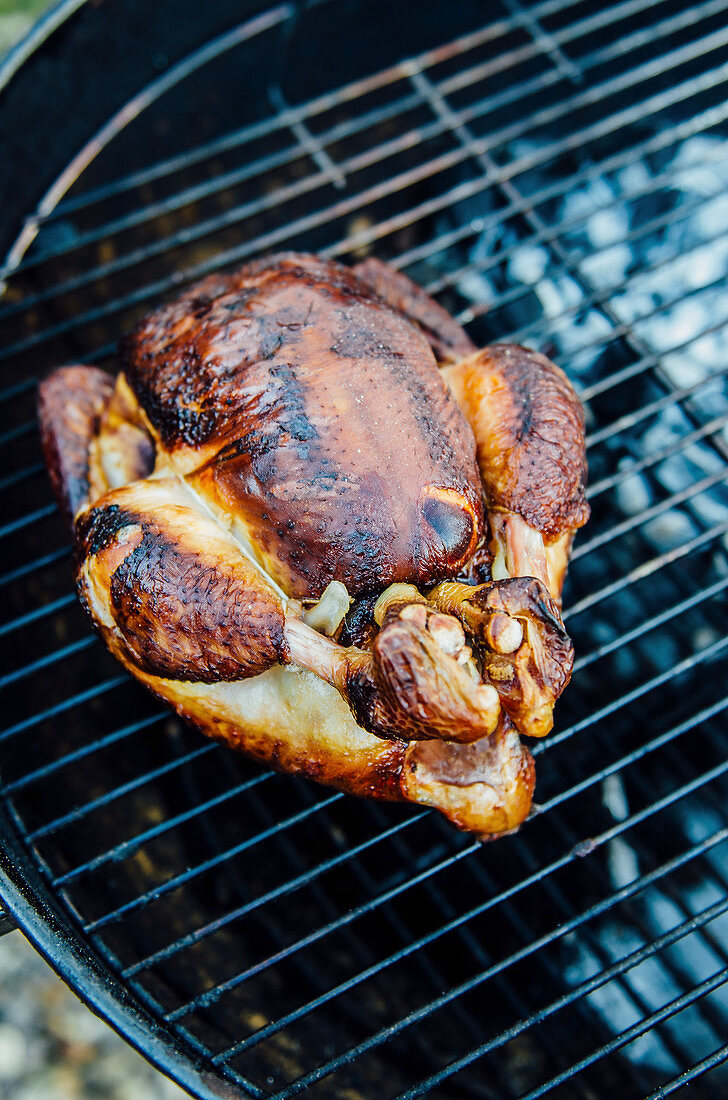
(557, 177)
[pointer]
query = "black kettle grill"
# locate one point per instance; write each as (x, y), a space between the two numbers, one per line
(555, 174)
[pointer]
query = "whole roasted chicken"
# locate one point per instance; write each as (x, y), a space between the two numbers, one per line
(311, 516)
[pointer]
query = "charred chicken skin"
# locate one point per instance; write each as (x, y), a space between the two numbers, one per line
(330, 532)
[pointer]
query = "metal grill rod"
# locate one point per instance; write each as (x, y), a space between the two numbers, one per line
(25, 473)
(640, 690)
(136, 841)
(636, 465)
(300, 187)
(363, 198)
(25, 521)
(643, 627)
(439, 126)
(634, 1032)
(600, 296)
(126, 788)
(37, 613)
(113, 128)
(590, 938)
(15, 785)
(711, 1062)
(676, 396)
(55, 656)
(132, 109)
(300, 114)
(637, 692)
(192, 872)
(60, 708)
(32, 566)
(679, 132)
(647, 360)
(288, 887)
(632, 757)
(375, 82)
(133, 844)
(69, 650)
(555, 230)
(17, 476)
(216, 991)
(16, 432)
(629, 371)
(696, 489)
(622, 966)
(598, 909)
(386, 1033)
(646, 625)
(640, 572)
(682, 975)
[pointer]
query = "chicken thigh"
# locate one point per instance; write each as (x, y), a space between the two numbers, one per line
(296, 436)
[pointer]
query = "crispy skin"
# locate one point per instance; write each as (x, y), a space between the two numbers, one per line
(291, 721)
(123, 449)
(185, 604)
(529, 427)
(315, 414)
(460, 780)
(299, 423)
(530, 678)
(414, 689)
(284, 717)
(70, 405)
(449, 341)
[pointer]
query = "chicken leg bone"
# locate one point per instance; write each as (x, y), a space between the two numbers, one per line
(525, 651)
(419, 680)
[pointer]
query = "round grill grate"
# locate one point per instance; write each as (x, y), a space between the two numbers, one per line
(555, 175)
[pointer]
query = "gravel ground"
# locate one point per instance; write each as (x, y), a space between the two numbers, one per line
(51, 1046)
(16, 17)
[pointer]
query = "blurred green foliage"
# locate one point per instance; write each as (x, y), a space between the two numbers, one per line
(16, 18)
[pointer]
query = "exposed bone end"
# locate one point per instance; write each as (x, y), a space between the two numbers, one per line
(504, 634)
(538, 720)
(422, 691)
(488, 698)
(415, 613)
(397, 595)
(327, 615)
(447, 632)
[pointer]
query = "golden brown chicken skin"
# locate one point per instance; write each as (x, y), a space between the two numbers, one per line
(316, 414)
(281, 441)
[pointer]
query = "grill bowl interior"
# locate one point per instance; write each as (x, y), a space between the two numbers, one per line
(536, 168)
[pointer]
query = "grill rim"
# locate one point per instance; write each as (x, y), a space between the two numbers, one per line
(51, 932)
(26, 903)
(33, 907)
(36, 37)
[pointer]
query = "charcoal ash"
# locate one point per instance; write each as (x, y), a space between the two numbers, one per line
(646, 257)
